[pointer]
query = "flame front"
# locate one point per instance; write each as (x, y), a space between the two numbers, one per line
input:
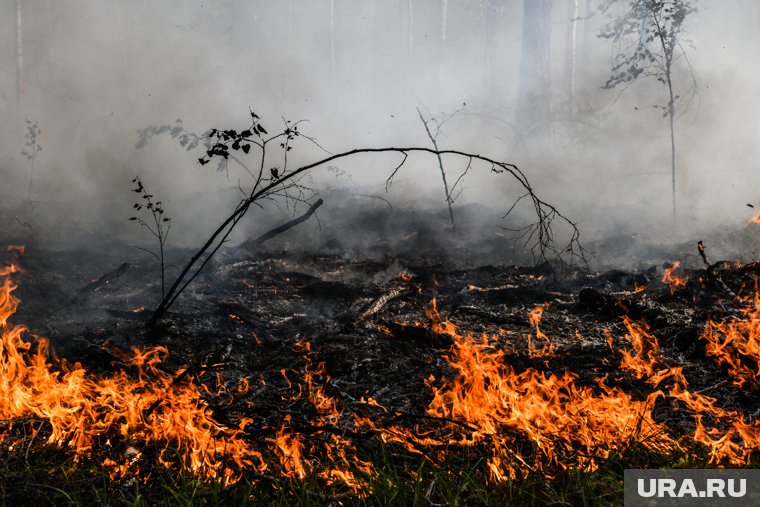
(525, 420)
(736, 343)
(551, 410)
(84, 411)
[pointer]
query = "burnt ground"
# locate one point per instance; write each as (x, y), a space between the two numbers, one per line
(249, 313)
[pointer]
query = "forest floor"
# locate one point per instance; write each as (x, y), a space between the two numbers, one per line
(301, 378)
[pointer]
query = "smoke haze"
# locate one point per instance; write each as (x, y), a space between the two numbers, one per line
(94, 73)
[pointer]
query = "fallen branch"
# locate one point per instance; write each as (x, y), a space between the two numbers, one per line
(379, 303)
(103, 280)
(288, 225)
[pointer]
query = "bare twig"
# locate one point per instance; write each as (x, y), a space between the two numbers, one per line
(434, 141)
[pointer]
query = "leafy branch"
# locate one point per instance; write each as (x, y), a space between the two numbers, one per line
(648, 38)
(156, 223)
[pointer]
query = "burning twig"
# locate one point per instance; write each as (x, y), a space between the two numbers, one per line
(713, 387)
(675, 282)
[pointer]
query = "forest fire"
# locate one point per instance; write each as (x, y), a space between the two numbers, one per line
(551, 410)
(736, 343)
(85, 412)
(375, 253)
(512, 408)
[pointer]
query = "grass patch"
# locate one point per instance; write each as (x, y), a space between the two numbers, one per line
(48, 476)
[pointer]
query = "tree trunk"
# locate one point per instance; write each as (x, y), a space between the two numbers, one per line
(444, 19)
(491, 14)
(671, 117)
(586, 37)
(534, 95)
(332, 40)
(410, 48)
(571, 54)
(19, 55)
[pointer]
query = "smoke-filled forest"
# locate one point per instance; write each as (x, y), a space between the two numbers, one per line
(361, 252)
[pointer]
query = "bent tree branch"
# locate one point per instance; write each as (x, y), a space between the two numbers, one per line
(541, 234)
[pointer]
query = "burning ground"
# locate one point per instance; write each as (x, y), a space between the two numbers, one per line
(333, 378)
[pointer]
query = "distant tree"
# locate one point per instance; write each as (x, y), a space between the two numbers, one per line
(647, 36)
(31, 149)
(571, 53)
(533, 97)
(19, 51)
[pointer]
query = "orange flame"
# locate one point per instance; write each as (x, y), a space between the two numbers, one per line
(485, 402)
(535, 317)
(674, 281)
(291, 449)
(83, 410)
(736, 343)
(551, 410)
(729, 439)
(340, 459)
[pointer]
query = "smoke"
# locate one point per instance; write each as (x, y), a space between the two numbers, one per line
(94, 73)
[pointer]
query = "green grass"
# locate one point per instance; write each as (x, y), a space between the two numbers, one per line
(50, 477)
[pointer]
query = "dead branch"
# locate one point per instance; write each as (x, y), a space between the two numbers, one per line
(541, 233)
(379, 303)
(103, 280)
(288, 225)
(434, 141)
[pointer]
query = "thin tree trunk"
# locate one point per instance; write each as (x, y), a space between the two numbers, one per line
(410, 48)
(671, 117)
(671, 111)
(571, 59)
(491, 15)
(534, 94)
(444, 19)
(586, 36)
(19, 52)
(332, 39)
(434, 141)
